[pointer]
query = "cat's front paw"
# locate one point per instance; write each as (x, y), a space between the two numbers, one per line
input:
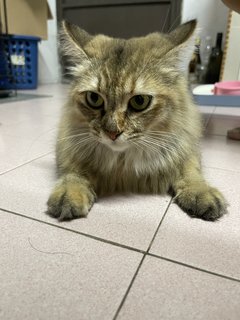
(202, 201)
(70, 199)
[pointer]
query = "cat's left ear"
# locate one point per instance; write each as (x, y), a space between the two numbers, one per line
(183, 39)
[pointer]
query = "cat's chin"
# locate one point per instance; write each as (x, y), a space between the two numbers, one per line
(116, 146)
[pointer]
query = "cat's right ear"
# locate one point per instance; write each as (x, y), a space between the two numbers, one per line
(72, 41)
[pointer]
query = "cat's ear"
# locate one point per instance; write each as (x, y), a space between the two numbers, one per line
(72, 41)
(183, 39)
(183, 33)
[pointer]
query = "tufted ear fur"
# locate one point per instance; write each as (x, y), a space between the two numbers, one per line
(72, 41)
(183, 39)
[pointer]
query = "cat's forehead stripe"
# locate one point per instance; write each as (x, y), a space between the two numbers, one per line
(102, 80)
(124, 84)
(128, 85)
(119, 52)
(139, 85)
(91, 84)
(143, 86)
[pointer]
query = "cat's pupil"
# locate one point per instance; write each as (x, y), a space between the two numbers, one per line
(139, 100)
(94, 97)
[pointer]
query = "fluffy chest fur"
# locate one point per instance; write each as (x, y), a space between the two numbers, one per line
(131, 171)
(140, 168)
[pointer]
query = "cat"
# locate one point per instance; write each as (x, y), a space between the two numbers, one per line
(130, 125)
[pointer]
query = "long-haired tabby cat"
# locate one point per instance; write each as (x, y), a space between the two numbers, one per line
(130, 124)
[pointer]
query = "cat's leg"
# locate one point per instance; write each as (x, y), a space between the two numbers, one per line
(195, 196)
(71, 198)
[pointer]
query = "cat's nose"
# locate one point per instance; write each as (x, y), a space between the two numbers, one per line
(113, 135)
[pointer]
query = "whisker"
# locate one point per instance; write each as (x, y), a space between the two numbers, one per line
(163, 157)
(162, 146)
(163, 133)
(139, 147)
(166, 18)
(78, 144)
(82, 151)
(150, 146)
(74, 136)
(36, 140)
(159, 144)
(174, 23)
(168, 140)
(173, 148)
(89, 146)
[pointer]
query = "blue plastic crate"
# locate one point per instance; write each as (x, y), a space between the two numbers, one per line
(18, 62)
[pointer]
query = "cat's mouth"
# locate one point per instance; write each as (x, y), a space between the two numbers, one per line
(116, 142)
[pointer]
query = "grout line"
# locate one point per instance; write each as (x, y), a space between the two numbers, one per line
(116, 244)
(193, 267)
(156, 232)
(207, 134)
(173, 261)
(140, 264)
(206, 124)
(129, 288)
(208, 120)
(25, 163)
(145, 253)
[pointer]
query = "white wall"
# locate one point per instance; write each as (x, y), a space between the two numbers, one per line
(211, 14)
(48, 66)
(231, 70)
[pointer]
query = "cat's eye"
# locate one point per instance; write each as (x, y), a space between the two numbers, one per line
(94, 100)
(139, 102)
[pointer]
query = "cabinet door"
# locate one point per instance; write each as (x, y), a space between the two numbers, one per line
(121, 18)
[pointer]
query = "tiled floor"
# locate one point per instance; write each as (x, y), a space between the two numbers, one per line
(134, 257)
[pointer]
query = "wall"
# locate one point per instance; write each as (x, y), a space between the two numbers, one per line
(211, 14)
(49, 70)
(231, 71)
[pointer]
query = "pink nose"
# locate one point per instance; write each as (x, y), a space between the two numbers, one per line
(113, 134)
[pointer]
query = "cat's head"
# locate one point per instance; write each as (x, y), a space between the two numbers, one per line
(126, 89)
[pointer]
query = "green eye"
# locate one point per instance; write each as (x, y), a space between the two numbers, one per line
(94, 100)
(139, 102)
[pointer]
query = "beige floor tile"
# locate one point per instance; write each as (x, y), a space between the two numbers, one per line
(57, 90)
(129, 220)
(220, 152)
(220, 124)
(29, 128)
(49, 273)
(214, 246)
(16, 151)
(30, 110)
(27, 131)
(206, 112)
(163, 290)
(86, 279)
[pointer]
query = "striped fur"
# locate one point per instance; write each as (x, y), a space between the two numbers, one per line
(158, 149)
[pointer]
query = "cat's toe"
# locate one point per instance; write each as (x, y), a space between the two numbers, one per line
(67, 211)
(206, 203)
(69, 205)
